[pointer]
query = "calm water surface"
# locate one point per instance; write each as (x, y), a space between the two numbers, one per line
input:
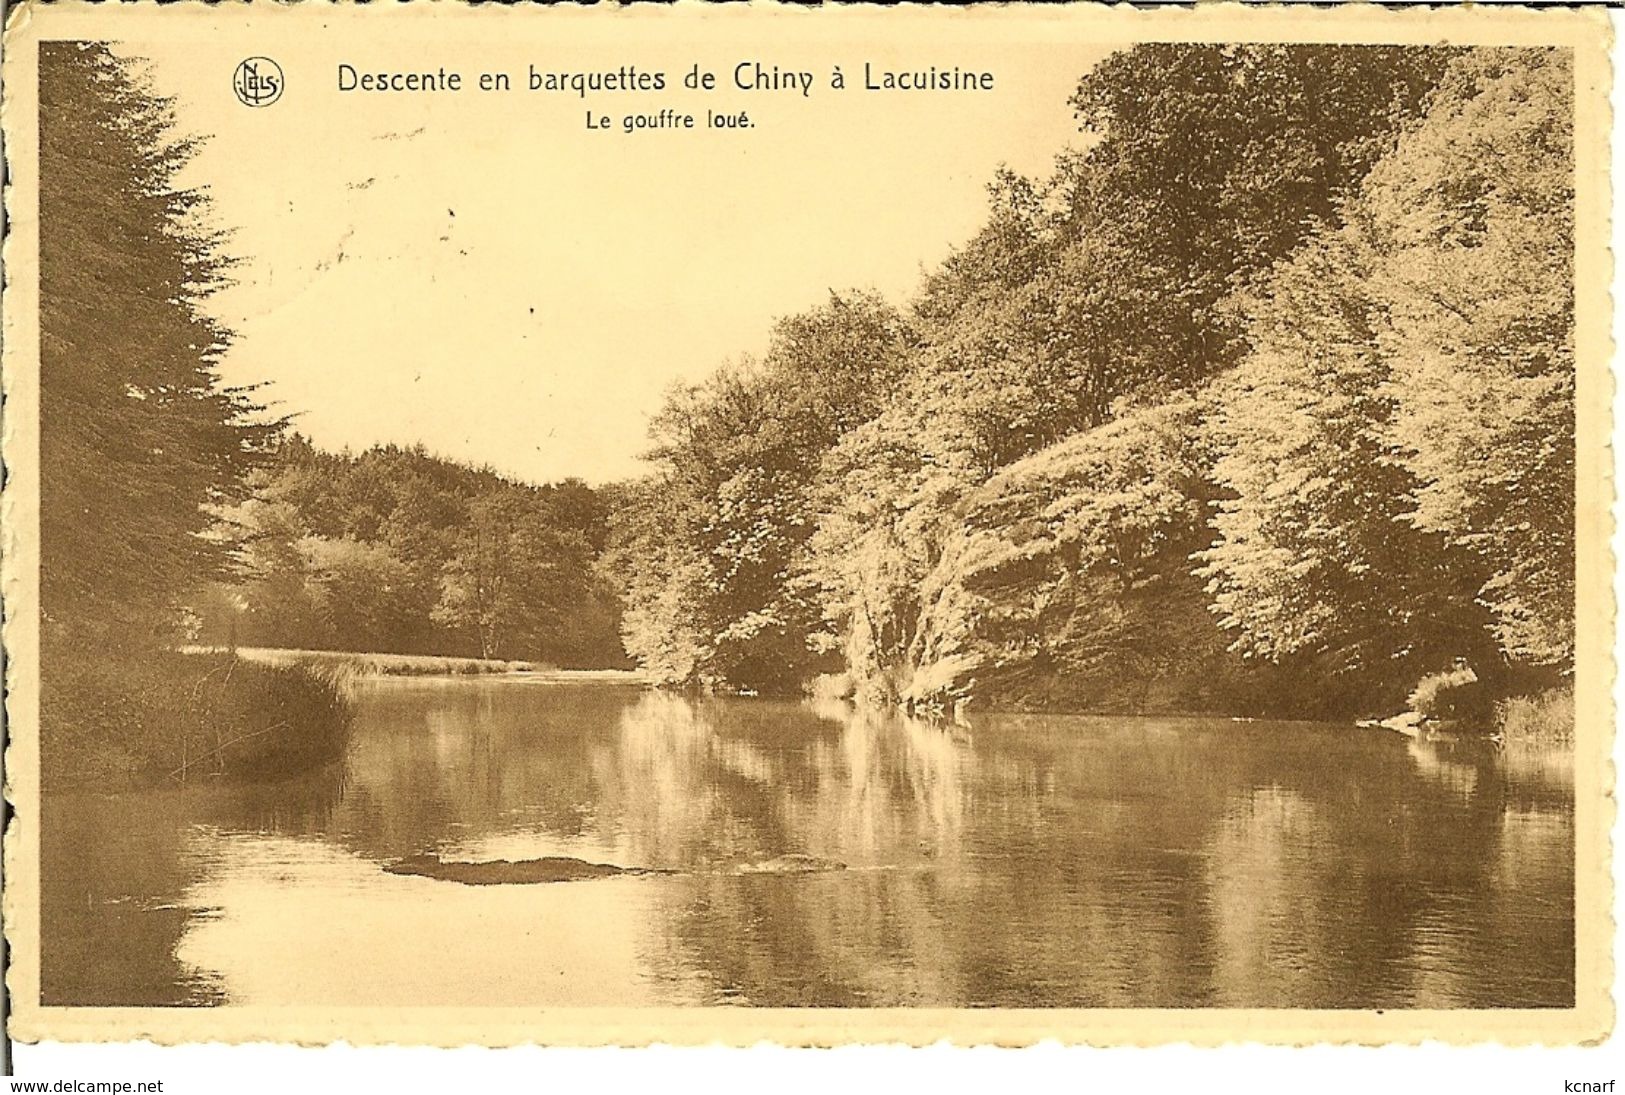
(1067, 861)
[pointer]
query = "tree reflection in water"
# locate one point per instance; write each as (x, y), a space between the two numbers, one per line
(829, 856)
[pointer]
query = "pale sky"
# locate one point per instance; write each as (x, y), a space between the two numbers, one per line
(481, 273)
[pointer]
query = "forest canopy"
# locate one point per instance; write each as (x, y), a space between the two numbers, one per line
(396, 551)
(176, 507)
(1261, 401)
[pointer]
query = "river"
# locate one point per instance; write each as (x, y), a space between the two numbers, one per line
(823, 856)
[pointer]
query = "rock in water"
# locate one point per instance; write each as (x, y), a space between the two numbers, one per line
(500, 872)
(1408, 722)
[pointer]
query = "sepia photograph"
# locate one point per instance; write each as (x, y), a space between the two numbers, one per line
(816, 526)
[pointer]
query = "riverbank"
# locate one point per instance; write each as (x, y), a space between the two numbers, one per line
(111, 721)
(1538, 719)
(346, 663)
(1541, 721)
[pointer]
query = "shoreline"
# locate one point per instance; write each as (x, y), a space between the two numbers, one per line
(369, 665)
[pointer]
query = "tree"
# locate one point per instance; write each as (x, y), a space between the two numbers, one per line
(1094, 290)
(364, 592)
(712, 552)
(661, 575)
(274, 601)
(886, 498)
(1471, 226)
(1319, 294)
(1212, 163)
(513, 578)
(140, 443)
(1312, 556)
(1398, 443)
(394, 550)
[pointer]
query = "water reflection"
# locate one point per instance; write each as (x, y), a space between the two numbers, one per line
(827, 856)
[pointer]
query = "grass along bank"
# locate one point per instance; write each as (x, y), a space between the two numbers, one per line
(354, 663)
(112, 721)
(1545, 720)
(345, 665)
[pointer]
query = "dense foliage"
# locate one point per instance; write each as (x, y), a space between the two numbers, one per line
(141, 449)
(168, 718)
(1263, 401)
(397, 551)
(1399, 442)
(139, 440)
(709, 548)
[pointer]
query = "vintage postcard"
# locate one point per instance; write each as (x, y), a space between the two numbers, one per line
(694, 524)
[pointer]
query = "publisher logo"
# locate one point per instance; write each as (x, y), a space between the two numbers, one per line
(258, 81)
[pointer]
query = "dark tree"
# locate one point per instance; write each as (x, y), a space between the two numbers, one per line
(140, 441)
(1213, 162)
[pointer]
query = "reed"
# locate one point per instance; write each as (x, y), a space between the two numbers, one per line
(1542, 720)
(384, 665)
(169, 717)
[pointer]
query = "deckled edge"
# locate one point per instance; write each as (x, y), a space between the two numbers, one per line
(12, 592)
(1590, 1022)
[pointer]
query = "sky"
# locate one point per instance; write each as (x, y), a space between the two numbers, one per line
(481, 273)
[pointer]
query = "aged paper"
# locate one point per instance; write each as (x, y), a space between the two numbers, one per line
(423, 662)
